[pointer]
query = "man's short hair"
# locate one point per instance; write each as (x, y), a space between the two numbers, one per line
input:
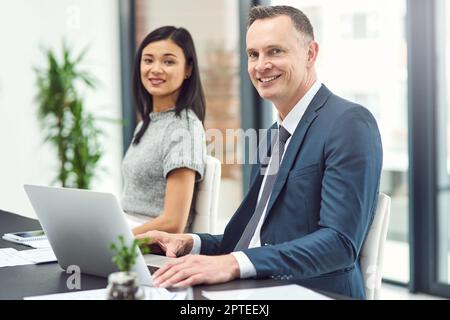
(299, 19)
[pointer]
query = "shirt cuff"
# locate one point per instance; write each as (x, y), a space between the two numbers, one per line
(246, 267)
(197, 245)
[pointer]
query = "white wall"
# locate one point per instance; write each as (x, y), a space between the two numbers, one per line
(25, 26)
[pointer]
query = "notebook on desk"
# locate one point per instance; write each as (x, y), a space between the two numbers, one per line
(35, 239)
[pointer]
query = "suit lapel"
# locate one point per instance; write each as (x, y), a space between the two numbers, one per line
(296, 143)
(243, 214)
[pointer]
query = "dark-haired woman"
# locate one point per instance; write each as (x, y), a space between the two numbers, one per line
(167, 154)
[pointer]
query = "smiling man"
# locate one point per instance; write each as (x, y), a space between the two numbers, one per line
(307, 213)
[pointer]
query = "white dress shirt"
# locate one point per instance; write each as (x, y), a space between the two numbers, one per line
(290, 123)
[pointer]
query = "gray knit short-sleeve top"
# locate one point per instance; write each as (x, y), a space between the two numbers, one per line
(170, 142)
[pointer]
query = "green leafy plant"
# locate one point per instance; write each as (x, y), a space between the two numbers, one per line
(125, 257)
(70, 128)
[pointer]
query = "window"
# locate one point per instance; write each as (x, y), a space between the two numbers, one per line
(359, 25)
(443, 142)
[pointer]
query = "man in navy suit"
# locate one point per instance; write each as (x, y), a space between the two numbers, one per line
(306, 220)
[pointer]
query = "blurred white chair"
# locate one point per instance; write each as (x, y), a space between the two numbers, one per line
(207, 198)
(371, 257)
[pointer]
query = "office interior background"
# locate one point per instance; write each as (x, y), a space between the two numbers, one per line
(392, 56)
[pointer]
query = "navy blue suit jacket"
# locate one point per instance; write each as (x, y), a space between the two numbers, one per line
(322, 202)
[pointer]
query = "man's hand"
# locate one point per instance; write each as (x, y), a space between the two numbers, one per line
(173, 245)
(197, 269)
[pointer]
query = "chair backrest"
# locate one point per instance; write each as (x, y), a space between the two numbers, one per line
(371, 257)
(207, 198)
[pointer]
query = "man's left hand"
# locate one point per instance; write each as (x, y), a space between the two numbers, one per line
(191, 270)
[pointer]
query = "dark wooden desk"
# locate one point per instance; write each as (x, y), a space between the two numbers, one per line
(32, 280)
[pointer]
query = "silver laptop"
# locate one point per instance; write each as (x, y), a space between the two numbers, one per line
(81, 225)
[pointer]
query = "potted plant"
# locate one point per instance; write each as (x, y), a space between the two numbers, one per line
(123, 285)
(69, 127)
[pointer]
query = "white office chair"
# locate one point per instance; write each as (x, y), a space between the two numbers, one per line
(206, 203)
(371, 257)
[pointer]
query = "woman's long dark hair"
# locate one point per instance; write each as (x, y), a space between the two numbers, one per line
(191, 94)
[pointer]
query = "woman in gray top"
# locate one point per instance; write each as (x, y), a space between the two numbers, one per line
(167, 154)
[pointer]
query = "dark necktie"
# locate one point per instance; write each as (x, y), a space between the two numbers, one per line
(271, 175)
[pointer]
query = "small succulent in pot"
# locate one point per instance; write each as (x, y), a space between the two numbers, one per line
(123, 285)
